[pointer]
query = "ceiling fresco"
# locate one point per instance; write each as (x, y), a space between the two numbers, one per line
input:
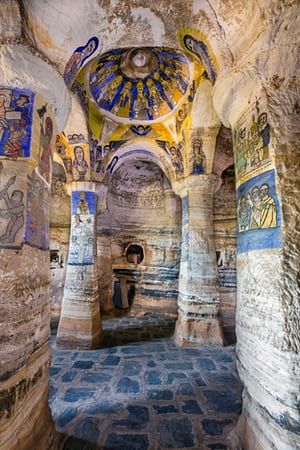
(138, 84)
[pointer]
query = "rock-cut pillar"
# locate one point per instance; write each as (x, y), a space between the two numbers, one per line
(198, 299)
(80, 322)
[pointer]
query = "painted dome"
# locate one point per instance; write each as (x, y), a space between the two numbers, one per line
(139, 84)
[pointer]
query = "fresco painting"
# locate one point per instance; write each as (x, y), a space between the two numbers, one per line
(78, 58)
(63, 151)
(82, 228)
(197, 157)
(252, 145)
(37, 212)
(80, 155)
(196, 44)
(139, 84)
(16, 119)
(12, 213)
(258, 214)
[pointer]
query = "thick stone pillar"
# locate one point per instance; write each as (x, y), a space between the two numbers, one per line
(28, 127)
(265, 125)
(80, 322)
(198, 299)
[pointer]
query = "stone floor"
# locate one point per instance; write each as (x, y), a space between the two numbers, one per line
(142, 392)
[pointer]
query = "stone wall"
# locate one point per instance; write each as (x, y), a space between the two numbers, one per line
(225, 244)
(142, 209)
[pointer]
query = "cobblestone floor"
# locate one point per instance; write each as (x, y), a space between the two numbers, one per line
(142, 392)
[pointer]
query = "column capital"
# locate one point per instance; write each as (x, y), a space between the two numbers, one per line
(200, 182)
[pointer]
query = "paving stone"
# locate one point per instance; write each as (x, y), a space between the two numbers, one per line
(176, 433)
(68, 377)
(127, 386)
(224, 401)
(132, 368)
(224, 357)
(65, 417)
(138, 418)
(180, 366)
(54, 371)
(222, 378)
(78, 444)
(131, 350)
(165, 409)
(151, 363)
(52, 393)
(156, 394)
(111, 350)
(153, 377)
(175, 376)
(197, 378)
(104, 407)
(95, 378)
(111, 361)
(186, 389)
(126, 442)
(72, 395)
(207, 364)
(88, 429)
(83, 365)
(215, 427)
(191, 407)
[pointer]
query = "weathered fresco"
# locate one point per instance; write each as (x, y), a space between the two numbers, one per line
(252, 145)
(63, 151)
(140, 84)
(12, 213)
(78, 58)
(82, 228)
(44, 135)
(195, 43)
(37, 212)
(16, 118)
(175, 151)
(197, 163)
(258, 213)
(80, 161)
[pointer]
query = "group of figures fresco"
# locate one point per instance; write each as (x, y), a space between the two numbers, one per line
(258, 213)
(252, 145)
(140, 84)
(82, 228)
(75, 155)
(16, 118)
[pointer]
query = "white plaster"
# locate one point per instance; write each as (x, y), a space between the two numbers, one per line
(156, 24)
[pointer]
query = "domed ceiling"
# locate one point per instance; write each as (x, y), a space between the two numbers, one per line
(138, 84)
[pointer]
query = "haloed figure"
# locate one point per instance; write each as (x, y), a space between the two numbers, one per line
(80, 166)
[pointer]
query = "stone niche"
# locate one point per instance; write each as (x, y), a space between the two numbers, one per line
(225, 235)
(142, 213)
(60, 214)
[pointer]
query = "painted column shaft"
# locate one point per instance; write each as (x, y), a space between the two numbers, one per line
(80, 323)
(198, 299)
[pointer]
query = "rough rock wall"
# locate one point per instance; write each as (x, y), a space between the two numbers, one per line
(225, 244)
(60, 217)
(142, 210)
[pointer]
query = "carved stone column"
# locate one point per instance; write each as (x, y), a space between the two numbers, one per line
(80, 323)
(30, 113)
(198, 299)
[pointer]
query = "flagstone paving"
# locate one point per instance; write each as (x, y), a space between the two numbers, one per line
(143, 392)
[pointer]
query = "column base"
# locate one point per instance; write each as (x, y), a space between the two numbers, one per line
(79, 333)
(198, 332)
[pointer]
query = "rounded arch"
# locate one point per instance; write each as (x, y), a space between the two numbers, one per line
(143, 150)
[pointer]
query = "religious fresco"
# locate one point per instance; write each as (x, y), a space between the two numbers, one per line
(63, 151)
(197, 163)
(139, 84)
(251, 142)
(80, 155)
(12, 214)
(81, 250)
(16, 118)
(44, 136)
(37, 212)
(258, 213)
(175, 151)
(195, 43)
(78, 58)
